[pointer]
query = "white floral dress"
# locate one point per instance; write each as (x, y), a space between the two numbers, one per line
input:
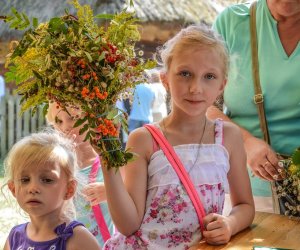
(170, 220)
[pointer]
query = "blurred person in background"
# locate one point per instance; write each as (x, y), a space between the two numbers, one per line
(159, 110)
(141, 108)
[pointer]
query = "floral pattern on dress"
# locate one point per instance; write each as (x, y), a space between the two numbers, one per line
(211, 196)
(133, 242)
(177, 237)
(170, 220)
(168, 206)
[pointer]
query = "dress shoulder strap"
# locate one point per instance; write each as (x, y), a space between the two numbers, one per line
(219, 134)
(66, 231)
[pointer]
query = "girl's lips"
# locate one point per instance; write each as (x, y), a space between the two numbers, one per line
(194, 101)
(34, 202)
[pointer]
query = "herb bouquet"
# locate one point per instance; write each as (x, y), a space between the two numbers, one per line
(288, 190)
(74, 62)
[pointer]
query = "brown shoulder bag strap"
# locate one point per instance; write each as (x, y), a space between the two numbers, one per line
(258, 97)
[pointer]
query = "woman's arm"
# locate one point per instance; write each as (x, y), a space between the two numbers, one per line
(258, 151)
(127, 200)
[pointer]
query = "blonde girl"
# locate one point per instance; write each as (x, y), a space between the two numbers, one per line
(40, 170)
(91, 206)
(151, 208)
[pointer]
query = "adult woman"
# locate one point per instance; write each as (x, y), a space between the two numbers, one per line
(277, 26)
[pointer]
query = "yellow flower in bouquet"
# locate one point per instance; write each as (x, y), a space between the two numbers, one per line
(74, 62)
(289, 188)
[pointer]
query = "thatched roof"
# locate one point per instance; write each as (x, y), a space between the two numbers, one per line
(180, 11)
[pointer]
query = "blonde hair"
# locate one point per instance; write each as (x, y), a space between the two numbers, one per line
(37, 149)
(193, 36)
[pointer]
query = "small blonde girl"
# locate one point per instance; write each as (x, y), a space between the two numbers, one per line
(40, 169)
(91, 206)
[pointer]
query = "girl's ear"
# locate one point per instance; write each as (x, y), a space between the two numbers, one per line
(223, 85)
(11, 187)
(71, 189)
(164, 80)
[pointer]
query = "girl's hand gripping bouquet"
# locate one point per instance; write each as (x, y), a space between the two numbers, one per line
(73, 61)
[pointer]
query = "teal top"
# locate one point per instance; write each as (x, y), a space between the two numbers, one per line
(279, 78)
(84, 210)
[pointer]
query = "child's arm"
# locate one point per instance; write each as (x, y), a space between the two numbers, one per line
(82, 239)
(221, 228)
(6, 246)
(127, 200)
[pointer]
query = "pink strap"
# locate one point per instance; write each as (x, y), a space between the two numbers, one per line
(180, 170)
(155, 145)
(96, 209)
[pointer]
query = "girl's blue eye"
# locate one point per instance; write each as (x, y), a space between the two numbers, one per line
(57, 120)
(210, 76)
(47, 180)
(185, 73)
(24, 179)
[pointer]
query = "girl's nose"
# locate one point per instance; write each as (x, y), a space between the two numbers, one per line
(196, 86)
(64, 129)
(33, 188)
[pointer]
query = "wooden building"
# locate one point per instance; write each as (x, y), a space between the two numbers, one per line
(160, 19)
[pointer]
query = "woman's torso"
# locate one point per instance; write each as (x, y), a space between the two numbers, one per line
(279, 77)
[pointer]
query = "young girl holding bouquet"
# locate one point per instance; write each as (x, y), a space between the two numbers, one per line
(41, 169)
(152, 208)
(91, 206)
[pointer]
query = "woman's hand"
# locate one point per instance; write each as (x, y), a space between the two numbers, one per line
(94, 193)
(217, 229)
(262, 159)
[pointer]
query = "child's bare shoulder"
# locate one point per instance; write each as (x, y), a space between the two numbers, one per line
(140, 141)
(140, 136)
(82, 239)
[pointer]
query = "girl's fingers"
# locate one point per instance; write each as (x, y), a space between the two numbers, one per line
(213, 221)
(87, 191)
(216, 242)
(208, 219)
(215, 237)
(212, 234)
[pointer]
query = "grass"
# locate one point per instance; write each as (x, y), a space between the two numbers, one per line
(9, 215)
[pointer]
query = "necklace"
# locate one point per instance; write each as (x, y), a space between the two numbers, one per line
(199, 143)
